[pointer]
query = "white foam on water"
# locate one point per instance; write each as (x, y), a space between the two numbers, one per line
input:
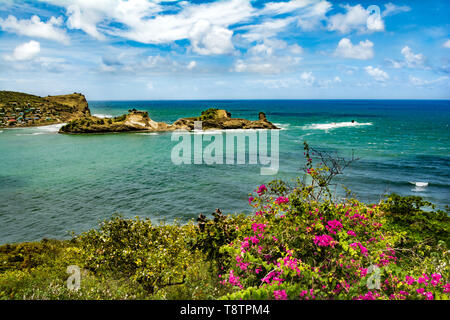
(30, 134)
(334, 125)
(282, 126)
(420, 184)
(102, 116)
(34, 131)
(53, 128)
(219, 131)
(148, 133)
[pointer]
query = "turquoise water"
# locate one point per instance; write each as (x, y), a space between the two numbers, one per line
(51, 183)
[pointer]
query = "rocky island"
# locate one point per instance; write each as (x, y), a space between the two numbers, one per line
(212, 119)
(23, 110)
(131, 122)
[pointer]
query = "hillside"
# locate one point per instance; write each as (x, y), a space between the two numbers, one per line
(21, 109)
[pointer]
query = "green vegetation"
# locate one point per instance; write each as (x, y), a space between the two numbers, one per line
(300, 243)
(208, 114)
(18, 97)
(21, 109)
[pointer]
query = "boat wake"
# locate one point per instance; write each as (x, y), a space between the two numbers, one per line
(335, 125)
(419, 186)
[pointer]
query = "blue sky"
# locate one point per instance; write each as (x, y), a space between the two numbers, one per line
(228, 49)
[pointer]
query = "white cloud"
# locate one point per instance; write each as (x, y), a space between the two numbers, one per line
(420, 82)
(84, 19)
(266, 65)
(377, 73)
(362, 51)
(391, 9)
(356, 18)
(308, 78)
(446, 44)
(412, 59)
(275, 83)
(34, 27)
(207, 39)
(269, 56)
(191, 65)
(394, 63)
(266, 29)
(295, 49)
(25, 51)
(206, 25)
(284, 7)
(150, 86)
(269, 46)
(313, 15)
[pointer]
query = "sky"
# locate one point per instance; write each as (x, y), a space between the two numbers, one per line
(226, 49)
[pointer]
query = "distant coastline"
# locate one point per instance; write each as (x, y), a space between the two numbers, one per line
(23, 110)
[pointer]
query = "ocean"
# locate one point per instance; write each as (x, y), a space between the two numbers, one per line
(51, 184)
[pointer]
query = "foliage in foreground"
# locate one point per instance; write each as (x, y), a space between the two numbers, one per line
(298, 244)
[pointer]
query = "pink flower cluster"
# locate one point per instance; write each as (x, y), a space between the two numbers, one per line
(242, 265)
(351, 233)
(281, 200)
(333, 226)
(258, 228)
(369, 296)
(272, 277)
(261, 189)
(324, 241)
(304, 294)
(363, 249)
(234, 280)
(280, 295)
(291, 262)
(425, 280)
(428, 295)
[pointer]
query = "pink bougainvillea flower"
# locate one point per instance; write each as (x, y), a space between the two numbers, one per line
(429, 295)
(281, 200)
(324, 241)
(333, 226)
(351, 233)
(435, 279)
(280, 294)
(261, 189)
(409, 280)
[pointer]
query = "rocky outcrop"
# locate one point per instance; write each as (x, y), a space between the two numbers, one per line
(221, 119)
(140, 121)
(133, 121)
(76, 102)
